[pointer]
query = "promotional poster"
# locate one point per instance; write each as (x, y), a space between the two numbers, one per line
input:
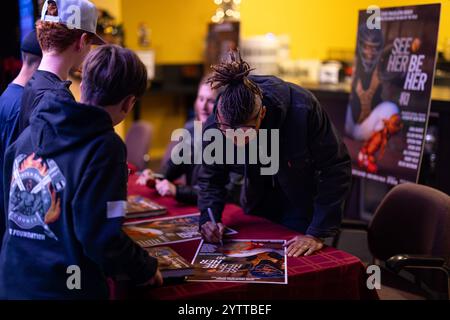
(389, 105)
(251, 261)
(161, 231)
(170, 263)
(140, 207)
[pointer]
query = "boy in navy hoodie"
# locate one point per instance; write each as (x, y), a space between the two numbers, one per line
(67, 175)
(11, 101)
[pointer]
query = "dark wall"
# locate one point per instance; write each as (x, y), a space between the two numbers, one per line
(10, 44)
(9, 29)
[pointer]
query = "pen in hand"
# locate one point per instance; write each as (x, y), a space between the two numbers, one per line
(213, 220)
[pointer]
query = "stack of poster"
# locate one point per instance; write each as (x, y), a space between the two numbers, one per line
(154, 232)
(244, 261)
(389, 105)
(141, 207)
(170, 263)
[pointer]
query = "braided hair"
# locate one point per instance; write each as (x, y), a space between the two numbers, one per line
(238, 93)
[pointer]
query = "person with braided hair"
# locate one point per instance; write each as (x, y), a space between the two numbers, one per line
(308, 191)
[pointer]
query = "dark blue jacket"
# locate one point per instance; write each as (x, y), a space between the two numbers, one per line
(308, 192)
(17, 105)
(10, 103)
(66, 176)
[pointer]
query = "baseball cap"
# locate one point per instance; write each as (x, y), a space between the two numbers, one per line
(30, 44)
(75, 14)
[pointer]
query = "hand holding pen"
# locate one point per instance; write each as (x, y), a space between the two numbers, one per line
(212, 231)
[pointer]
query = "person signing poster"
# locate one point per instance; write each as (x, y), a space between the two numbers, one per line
(306, 190)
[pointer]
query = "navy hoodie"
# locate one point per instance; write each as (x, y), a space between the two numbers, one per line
(67, 178)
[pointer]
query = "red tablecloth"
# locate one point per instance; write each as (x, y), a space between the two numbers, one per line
(328, 274)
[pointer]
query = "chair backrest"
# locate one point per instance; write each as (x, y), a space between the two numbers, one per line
(167, 155)
(411, 219)
(138, 141)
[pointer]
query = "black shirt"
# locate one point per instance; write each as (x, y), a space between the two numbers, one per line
(40, 82)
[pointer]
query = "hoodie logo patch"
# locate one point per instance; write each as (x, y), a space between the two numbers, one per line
(33, 198)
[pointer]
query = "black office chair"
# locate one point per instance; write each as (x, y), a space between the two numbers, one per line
(409, 235)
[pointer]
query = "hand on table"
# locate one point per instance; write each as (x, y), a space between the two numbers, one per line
(145, 177)
(166, 188)
(303, 245)
(211, 232)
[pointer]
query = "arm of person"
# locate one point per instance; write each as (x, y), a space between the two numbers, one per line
(170, 170)
(6, 163)
(212, 180)
(234, 188)
(189, 194)
(98, 213)
(333, 173)
(333, 180)
(186, 194)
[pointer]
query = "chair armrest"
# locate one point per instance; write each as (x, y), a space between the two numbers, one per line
(354, 225)
(402, 261)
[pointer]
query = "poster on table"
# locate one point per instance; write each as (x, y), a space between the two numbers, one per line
(154, 232)
(389, 104)
(244, 261)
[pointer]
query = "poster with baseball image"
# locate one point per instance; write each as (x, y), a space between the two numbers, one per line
(243, 261)
(389, 104)
(162, 231)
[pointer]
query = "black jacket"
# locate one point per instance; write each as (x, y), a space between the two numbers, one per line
(188, 193)
(67, 187)
(308, 192)
(40, 82)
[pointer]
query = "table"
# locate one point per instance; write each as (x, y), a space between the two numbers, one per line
(328, 274)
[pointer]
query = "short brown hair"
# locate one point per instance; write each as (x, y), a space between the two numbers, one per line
(110, 74)
(53, 36)
(30, 59)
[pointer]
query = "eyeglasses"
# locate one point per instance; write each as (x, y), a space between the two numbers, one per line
(223, 127)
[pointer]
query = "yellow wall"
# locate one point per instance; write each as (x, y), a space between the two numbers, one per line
(179, 30)
(114, 7)
(165, 113)
(179, 27)
(316, 26)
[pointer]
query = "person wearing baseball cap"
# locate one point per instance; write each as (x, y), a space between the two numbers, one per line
(76, 217)
(66, 32)
(75, 14)
(11, 101)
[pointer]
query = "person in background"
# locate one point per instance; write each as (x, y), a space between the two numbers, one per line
(67, 179)
(187, 193)
(11, 101)
(64, 45)
(313, 176)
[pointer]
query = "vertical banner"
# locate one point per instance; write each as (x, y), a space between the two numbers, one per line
(389, 105)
